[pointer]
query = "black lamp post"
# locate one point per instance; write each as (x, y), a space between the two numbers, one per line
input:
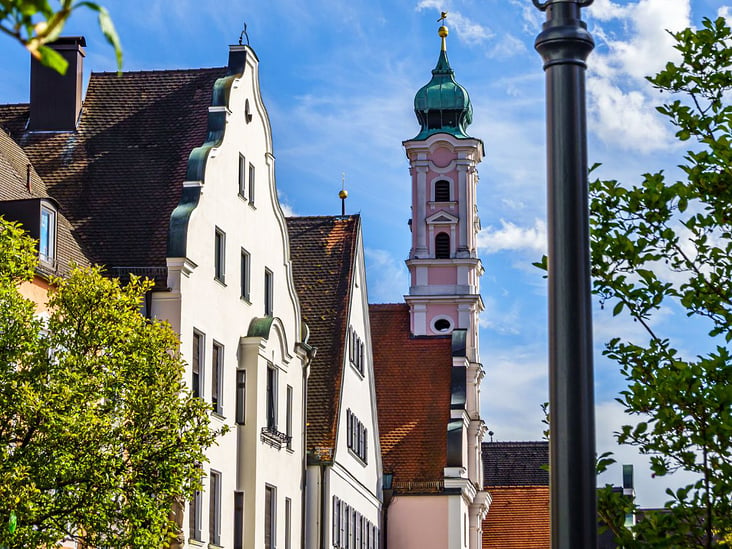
(564, 44)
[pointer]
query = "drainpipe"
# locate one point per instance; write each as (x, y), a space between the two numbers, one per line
(387, 494)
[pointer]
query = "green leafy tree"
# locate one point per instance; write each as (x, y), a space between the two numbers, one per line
(35, 23)
(99, 438)
(662, 246)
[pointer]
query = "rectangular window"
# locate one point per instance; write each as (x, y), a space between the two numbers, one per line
(336, 522)
(251, 184)
(219, 255)
(241, 396)
(194, 516)
(217, 370)
(242, 176)
(197, 364)
(47, 238)
(288, 523)
(356, 434)
(272, 398)
(245, 276)
(214, 509)
(238, 520)
(288, 424)
(268, 290)
(270, 517)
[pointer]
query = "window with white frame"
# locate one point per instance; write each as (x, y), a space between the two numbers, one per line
(251, 184)
(217, 372)
(242, 176)
(194, 516)
(268, 293)
(214, 508)
(245, 273)
(198, 363)
(47, 236)
(272, 397)
(356, 436)
(241, 396)
(219, 255)
(270, 517)
(288, 418)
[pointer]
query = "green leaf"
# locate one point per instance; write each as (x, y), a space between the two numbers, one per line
(107, 27)
(52, 59)
(618, 308)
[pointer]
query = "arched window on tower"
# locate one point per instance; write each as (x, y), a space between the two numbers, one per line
(442, 191)
(442, 246)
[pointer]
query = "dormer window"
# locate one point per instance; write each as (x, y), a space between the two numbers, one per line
(47, 235)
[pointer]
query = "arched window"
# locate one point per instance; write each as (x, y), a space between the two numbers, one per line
(442, 246)
(442, 191)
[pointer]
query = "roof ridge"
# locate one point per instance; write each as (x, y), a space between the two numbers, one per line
(156, 71)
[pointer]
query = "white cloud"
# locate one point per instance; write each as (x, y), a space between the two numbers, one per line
(387, 277)
(621, 102)
(724, 11)
(467, 30)
(507, 46)
(514, 238)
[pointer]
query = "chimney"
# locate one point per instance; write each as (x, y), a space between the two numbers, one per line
(55, 98)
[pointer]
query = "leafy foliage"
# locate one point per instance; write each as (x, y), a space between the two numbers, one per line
(99, 438)
(660, 246)
(35, 23)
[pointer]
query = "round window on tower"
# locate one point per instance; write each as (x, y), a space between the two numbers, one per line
(442, 324)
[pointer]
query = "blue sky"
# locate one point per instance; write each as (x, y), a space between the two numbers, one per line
(338, 79)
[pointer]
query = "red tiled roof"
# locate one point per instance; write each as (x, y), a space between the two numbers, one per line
(518, 518)
(14, 179)
(120, 175)
(412, 376)
(323, 251)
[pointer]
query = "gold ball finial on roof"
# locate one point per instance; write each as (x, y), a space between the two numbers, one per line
(343, 194)
(442, 31)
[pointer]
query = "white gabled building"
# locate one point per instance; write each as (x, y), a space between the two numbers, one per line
(231, 297)
(343, 483)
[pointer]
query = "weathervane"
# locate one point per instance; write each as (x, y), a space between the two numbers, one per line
(443, 16)
(243, 34)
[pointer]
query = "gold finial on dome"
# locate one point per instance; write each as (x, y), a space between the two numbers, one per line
(442, 31)
(343, 194)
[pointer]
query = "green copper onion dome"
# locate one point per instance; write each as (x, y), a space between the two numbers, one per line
(443, 105)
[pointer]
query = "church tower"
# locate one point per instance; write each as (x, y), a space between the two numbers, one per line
(443, 263)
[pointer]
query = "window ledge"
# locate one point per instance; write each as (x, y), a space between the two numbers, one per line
(242, 197)
(220, 282)
(358, 458)
(218, 415)
(195, 542)
(245, 299)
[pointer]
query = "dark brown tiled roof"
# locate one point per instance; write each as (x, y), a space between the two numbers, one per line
(412, 377)
(120, 175)
(14, 175)
(518, 518)
(323, 251)
(515, 463)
